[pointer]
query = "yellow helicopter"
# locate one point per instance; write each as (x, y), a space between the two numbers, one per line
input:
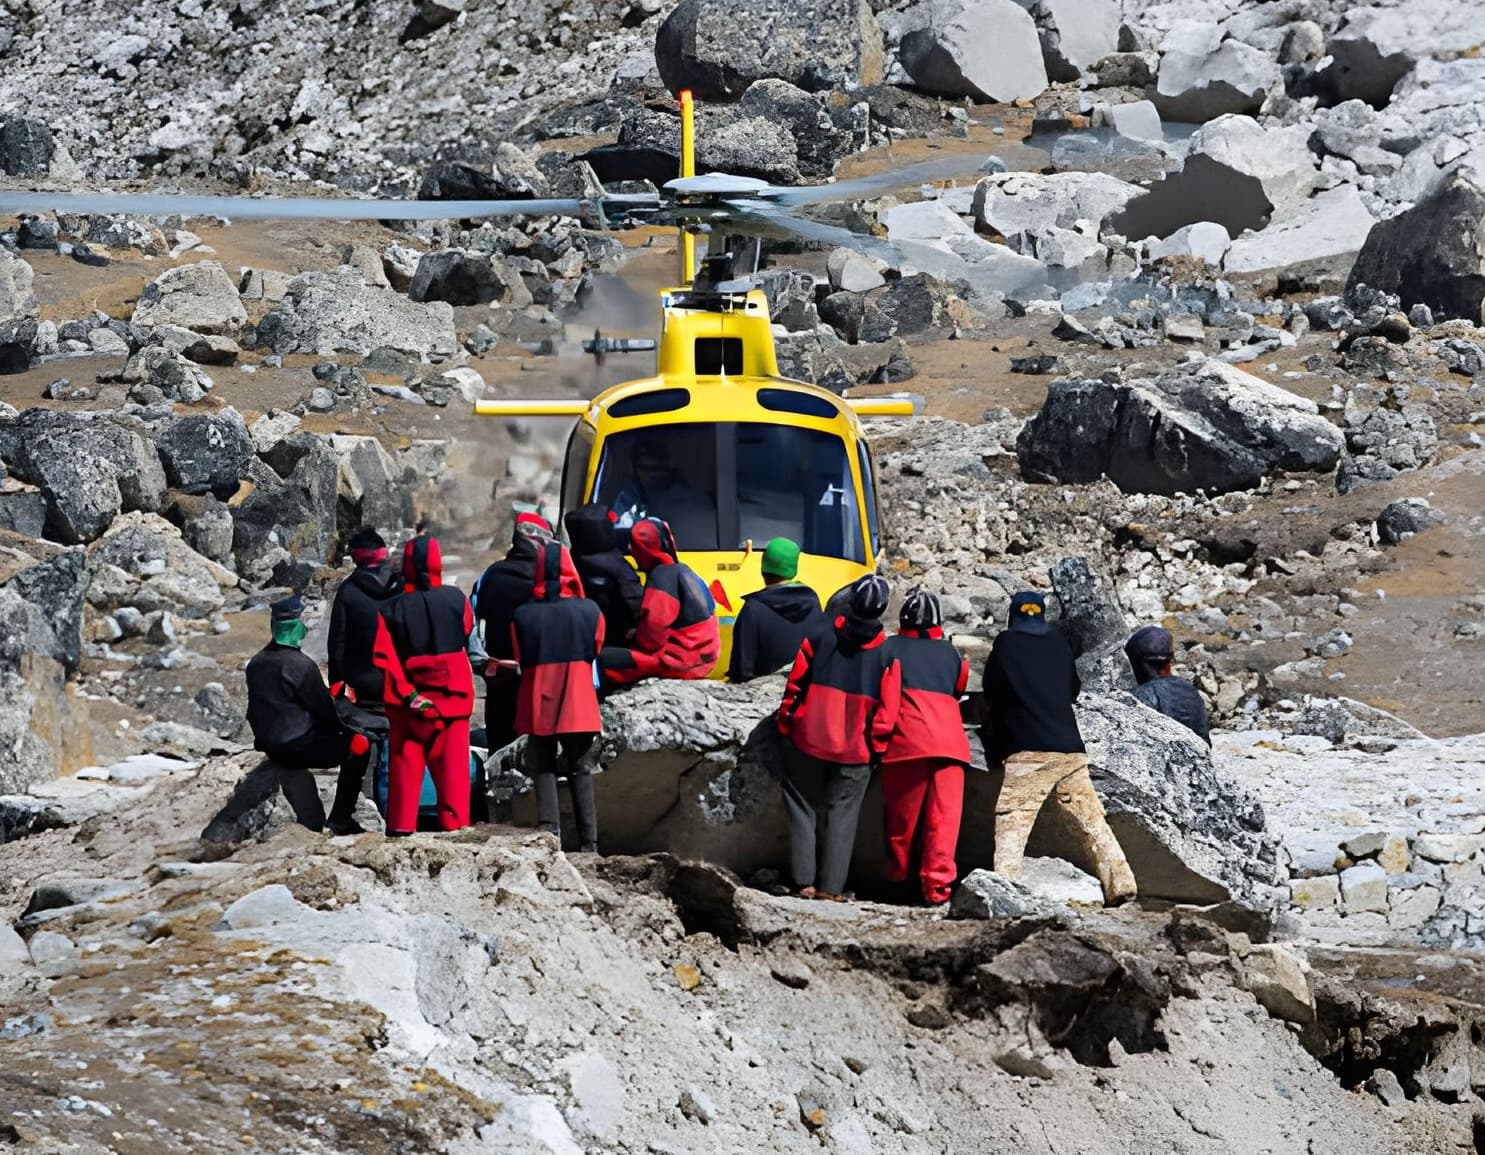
(717, 444)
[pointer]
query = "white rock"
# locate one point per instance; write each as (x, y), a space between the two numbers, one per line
(851, 272)
(1410, 909)
(48, 947)
(1206, 240)
(467, 383)
(198, 296)
(1319, 893)
(1024, 202)
(1448, 847)
(1055, 880)
(266, 906)
(1364, 888)
(1138, 120)
(1075, 34)
(1278, 158)
(1276, 978)
(599, 1093)
(1322, 236)
(16, 296)
(984, 49)
(922, 220)
(1202, 76)
(13, 952)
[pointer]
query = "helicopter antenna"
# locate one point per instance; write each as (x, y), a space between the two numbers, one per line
(688, 168)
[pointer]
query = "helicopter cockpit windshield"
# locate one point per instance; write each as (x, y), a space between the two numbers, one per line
(719, 484)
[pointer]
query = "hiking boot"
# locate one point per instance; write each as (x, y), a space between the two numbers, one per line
(343, 826)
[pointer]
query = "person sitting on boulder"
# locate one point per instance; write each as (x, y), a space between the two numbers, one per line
(420, 647)
(1031, 683)
(502, 589)
(295, 722)
(838, 713)
(556, 637)
(677, 635)
(353, 618)
(923, 768)
(773, 621)
(1151, 651)
(608, 578)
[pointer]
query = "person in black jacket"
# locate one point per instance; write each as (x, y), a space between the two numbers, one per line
(1030, 685)
(1151, 651)
(608, 578)
(502, 589)
(294, 719)
(774, 620)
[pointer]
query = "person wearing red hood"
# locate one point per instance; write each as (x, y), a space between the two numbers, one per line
(677, 634)
(923, 768)
(556, 638)
(420, 647)
(839, 710)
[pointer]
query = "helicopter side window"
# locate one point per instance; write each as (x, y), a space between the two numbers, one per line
(868, 483)
(575, 465)
(716, 355)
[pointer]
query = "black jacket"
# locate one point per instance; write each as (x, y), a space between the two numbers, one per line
(502, 589)
(1031, 682)
(1177, 698)
(353, 629)
(287, 698)
(770, 626)
(608, 578)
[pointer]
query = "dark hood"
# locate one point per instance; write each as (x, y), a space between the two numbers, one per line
(591, 530)
(794, 603)
(376, 582)
(856, 633)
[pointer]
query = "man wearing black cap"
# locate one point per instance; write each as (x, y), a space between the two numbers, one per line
(838, 713)
(294, 720)
(1031, 683)
(1151, 651)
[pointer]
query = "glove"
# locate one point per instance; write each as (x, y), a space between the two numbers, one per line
(337, 689)
(419, 704)
(360, 745)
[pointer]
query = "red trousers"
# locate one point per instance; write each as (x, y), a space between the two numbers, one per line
(931, 789)
(441, 747)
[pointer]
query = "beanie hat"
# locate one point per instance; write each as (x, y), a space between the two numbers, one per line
(290, 609)
(869, 597)
(781, 559)
(920, 611)
(532, 525)
(1029, 612)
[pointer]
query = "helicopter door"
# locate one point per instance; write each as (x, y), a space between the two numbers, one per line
(575, 465)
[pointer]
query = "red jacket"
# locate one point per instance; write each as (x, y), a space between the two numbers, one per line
(842, 700)
(556, 638)
(677, 619)
(421, 637)
(934, 674)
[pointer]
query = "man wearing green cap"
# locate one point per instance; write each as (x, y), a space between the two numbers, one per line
(774, 620)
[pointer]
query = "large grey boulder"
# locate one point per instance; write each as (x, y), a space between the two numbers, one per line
(205, 452)
(338, 312)
(1203, 75)
(1075, 34)
(1315, 247)
(1376, 47)
(17, 299)
(717, 48)
(1434, 253)
(89, 467)
(1088, 616)
(1025, 203)
(26, 146)
(1205, 425)
(462, 278)
(982, 49)
(690, 768)
(144, 562)
(1237, 173)
(199, 296)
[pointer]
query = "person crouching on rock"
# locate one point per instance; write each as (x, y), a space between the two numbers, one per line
(1031, 683)
(677, 634)
(294, 719)
(1151, 651)
(839, 710)
(923, 768)
(556, 637)
(420, 647)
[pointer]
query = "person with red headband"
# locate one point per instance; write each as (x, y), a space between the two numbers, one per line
(923, 768)
(353, 617)
(556, 637)
(429, 690)
(677, 634)
(502, 589)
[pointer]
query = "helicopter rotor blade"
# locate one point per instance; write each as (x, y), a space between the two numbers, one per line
(862, 188)
(283, 208)
(766, 220)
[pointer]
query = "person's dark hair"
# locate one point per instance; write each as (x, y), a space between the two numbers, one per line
(367, 538)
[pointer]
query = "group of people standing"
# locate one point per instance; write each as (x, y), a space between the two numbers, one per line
(551, 628)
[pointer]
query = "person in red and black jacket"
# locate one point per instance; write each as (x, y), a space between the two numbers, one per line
(500, 590)
(420, 647)
(923, 768)
(839, 710)
(556, 637)
(677, 634)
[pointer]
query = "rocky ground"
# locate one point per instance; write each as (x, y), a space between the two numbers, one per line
(1198, 330)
